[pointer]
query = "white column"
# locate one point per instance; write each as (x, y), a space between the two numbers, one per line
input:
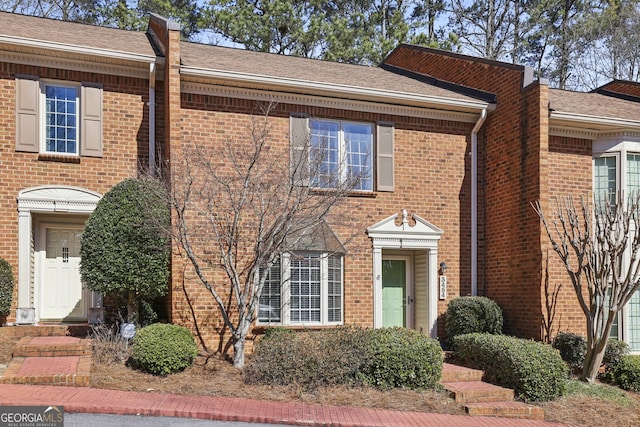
(24, 258)
(432, 315)
(377, 287)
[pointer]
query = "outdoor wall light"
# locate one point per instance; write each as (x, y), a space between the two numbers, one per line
(443, 268)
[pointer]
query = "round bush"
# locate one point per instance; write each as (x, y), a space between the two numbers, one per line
(163, 349)
(402, 358)
(6, 287)
(572, 348)
(467, 315)
(614, 352)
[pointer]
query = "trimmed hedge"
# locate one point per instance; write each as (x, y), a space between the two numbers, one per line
(6, 287)
(163, 349)
(466, 315)
(626, 374)
(347, 355)
(310, 359)
(402, 358)
(534, 370)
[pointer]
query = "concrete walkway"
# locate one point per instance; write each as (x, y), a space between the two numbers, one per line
(91, 400)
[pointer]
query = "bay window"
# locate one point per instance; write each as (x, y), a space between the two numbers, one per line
(303, 289)
(618, 169)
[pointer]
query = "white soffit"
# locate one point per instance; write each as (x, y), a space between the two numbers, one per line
(590, 127)
(262, 95)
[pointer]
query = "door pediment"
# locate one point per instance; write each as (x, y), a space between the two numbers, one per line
(58, 199)
(419, 235)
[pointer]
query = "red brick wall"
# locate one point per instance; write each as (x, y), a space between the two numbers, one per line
(432, 180)
(570, 174)
(623, 87)
(125, 141)
(512, 144)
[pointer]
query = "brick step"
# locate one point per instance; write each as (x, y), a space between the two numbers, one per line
(79, 330)
(505, 410)
(73, 371)
(454, 373)
(477, 392)
(50, 346)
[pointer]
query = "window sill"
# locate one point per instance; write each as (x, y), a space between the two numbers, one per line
(260, 328)
(58, 158)
(364, 194)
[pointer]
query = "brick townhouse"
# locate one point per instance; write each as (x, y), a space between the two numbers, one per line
(454, 148)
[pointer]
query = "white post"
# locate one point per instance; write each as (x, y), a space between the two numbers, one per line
(24, 259)
(377, 287)
(432, 315)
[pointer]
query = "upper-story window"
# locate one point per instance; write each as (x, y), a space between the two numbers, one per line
(58, 118)
(341, 152)
(328, 154)
(61, 119)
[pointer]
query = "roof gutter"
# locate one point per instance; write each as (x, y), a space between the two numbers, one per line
(474, 201)
(334, 89)
(594, 120)
(82, 50)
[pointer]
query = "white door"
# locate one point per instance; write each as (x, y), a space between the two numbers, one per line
(63, 297)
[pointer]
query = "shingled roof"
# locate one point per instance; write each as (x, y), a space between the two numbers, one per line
(267, 65)
(16, 28)
(593, 105)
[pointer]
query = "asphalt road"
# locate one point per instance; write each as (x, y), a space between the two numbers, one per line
(102, 420)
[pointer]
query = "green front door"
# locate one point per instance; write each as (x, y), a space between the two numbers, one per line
(394, 292)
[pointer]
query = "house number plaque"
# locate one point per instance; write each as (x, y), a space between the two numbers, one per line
(443, 287)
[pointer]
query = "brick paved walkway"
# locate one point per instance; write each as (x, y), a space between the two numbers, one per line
(91, 400)
(49, 366)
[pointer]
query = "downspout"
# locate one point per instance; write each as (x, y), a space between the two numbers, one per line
(474, 201)
(152, 119)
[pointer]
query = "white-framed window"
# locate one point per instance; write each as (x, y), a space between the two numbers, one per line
(341, 151)
(61, 104)
(303, 289)
(58, 118)
(617, 168)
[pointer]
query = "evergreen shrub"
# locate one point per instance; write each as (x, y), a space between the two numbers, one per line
(162, 349)
(626, 374)
(535, 371)
(467, 315)
(384, 358)
(6, 287)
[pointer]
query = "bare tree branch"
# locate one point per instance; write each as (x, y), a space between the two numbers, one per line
(237, 208)
(600, 248)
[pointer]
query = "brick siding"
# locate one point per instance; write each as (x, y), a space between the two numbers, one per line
(512, 144)
(432, 170)
(125, 141)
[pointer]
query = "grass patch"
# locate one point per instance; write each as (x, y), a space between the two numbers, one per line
(577, 388)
